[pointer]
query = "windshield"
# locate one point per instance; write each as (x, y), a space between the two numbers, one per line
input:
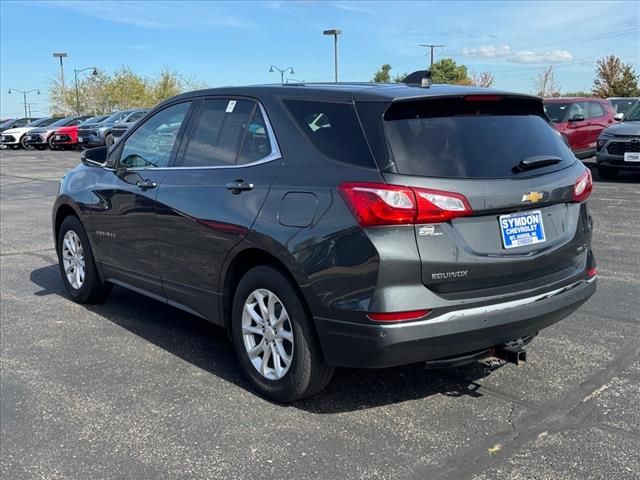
(634, 114)
(43, 122)
(61, 122)
(116, 117)
(471, 139)
(94, 120)
(556, 111)
(623, 105)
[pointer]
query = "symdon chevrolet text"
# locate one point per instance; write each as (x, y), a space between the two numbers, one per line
(338, 225)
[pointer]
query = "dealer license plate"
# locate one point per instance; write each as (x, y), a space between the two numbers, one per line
(79, 139)
(632, 156)
(521, 229)
(57, 137)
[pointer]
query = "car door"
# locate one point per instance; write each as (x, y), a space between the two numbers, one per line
(123, 226)
(208, 203)
(598, 121)
(578, 130)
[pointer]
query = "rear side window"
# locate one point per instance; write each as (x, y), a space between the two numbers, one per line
(256, 144)
(218, 133)
(470, 139)
(334, 130)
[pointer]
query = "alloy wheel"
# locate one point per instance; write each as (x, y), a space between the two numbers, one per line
(267, 334)
(73, 259)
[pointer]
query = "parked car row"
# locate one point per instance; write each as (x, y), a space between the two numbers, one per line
(68, 132)
(581, 120)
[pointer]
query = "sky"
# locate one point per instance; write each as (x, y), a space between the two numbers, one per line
(234, 43)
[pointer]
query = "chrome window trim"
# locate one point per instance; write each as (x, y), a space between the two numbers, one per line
(274, 155)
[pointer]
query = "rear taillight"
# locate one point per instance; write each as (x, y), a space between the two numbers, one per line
(376, 204)
(583, 186)
(398, 316)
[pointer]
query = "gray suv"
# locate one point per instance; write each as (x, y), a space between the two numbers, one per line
(338, 225)
(618, 146)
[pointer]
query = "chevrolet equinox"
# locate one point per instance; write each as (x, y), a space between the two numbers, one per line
(338, 225)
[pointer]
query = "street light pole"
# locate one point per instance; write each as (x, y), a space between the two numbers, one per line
(61, 55)
(75, 74)
(24, 96)
(272, 68)
(335, 32)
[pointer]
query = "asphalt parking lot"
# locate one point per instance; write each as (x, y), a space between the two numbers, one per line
(135, 389)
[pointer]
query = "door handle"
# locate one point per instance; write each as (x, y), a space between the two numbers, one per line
(146, 184)
(239, 186)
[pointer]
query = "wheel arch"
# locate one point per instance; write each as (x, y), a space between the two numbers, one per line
(62, 211)
(242, 261)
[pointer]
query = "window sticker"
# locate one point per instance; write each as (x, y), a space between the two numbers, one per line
(230, 106)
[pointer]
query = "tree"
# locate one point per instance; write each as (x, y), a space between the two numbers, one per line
(103, 93)
(484, 79)
(578, 93)
(382, 75)
(545, 83)
(447, 71)
(615, 78)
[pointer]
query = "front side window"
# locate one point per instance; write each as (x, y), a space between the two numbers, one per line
(218, 133)
(22, 122)
(151, 145)
(595, 110)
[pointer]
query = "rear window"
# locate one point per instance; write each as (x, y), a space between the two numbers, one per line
(471, 139)
(334, 130)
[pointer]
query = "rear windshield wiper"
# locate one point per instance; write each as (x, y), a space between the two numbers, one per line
(535, 161)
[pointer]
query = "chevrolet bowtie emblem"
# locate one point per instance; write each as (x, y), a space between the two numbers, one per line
(532, 197)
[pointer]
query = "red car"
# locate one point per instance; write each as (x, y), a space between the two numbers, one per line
(580, 121)
(67, 137)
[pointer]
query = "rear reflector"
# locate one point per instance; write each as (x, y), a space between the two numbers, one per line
(583, 186)
(376, 204)
(398, 316)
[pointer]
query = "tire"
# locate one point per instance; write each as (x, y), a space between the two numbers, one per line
(306, 373)
(607, 173)
(108, 140)
(50, 143)
(90, 289)
(23, 143)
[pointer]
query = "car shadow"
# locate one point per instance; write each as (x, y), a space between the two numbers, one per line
(206, 346)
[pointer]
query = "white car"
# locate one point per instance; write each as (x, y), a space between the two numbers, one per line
(15, 137)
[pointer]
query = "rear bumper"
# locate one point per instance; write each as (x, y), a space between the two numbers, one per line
(350, 344)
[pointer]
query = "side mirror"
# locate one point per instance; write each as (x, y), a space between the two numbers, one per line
(577, 118)
(618, 117)
(95, 157)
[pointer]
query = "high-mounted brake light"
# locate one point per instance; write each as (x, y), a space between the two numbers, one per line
(376, 204)
(583, 186)
(398, 316)
(482, 98)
